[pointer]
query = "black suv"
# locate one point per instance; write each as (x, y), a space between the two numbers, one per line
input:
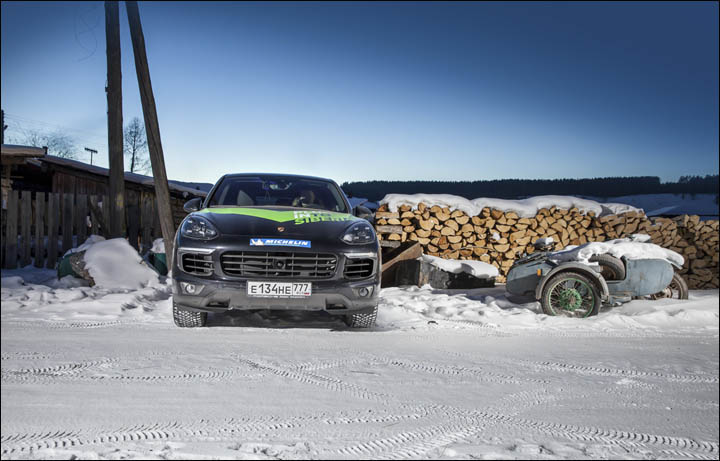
(268, 241)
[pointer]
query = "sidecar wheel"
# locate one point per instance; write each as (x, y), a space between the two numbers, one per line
(677, 289)
(570, 294)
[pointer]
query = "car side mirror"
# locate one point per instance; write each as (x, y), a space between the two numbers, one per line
(193, 205)
(363, 213)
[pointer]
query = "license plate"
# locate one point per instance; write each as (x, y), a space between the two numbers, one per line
(279, 289)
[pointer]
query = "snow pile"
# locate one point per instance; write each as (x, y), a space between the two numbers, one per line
(414, 307)
(92, 240)
(477, 269)
(31, 294)
(158, 246)
(115, 264)
(630, 248)
(526, 208)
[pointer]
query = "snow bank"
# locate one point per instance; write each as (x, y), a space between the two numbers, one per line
(92, 240)
(477, 269)
(414, 307)
(31, 294)
(524, 208)
(630, 248)
(115, 264)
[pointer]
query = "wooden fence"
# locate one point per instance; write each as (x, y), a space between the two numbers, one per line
(38, 227)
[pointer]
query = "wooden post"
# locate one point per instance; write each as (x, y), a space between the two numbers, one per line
(81, 218)
(152, 129)
(67, 222)
(52, 220)
(95, 215)
(116, 178)
(25, 225)
(11, 236)
(39, 229)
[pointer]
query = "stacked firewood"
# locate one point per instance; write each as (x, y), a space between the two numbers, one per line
(500, 238)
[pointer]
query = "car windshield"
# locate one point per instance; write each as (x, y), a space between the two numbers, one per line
(249, 191)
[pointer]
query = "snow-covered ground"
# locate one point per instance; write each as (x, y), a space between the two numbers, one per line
(94, 372)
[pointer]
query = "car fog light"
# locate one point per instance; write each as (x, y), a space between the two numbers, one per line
(191, 288)
(364, 292)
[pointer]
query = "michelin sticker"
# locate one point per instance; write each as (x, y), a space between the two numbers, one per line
(280, 243)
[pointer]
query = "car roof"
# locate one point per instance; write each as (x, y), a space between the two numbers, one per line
(286, 175)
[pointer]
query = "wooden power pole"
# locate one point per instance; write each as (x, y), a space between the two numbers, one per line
(116, 194)
(152, 129)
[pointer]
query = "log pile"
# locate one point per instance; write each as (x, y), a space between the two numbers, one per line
(499, 238)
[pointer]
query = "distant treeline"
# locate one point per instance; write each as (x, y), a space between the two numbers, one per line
(517, 188)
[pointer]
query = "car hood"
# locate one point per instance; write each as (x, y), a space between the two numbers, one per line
(277, 221)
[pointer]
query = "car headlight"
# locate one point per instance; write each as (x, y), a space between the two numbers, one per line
(359, 233)
(196, 227)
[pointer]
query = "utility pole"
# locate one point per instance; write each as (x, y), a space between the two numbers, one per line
(2, 122)
(152, 129)
(92, 151)
(116, 226)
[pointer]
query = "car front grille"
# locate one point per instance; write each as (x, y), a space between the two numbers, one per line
(196, 263)
(358, 268)
(278, 264)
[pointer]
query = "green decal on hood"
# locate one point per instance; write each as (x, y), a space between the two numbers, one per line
(300, 217)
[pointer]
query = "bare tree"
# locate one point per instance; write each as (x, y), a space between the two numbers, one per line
(136, 146)
(57, 142)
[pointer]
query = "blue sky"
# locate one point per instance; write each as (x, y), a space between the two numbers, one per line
(354, 91)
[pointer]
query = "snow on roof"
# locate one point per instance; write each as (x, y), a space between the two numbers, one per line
(132, 177)
(13, 150)
(524, 208)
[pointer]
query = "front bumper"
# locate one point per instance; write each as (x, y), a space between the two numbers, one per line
(332, 296)
(221, 293)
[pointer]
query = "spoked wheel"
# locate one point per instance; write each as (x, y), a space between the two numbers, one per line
(677, 289)
(570, 295)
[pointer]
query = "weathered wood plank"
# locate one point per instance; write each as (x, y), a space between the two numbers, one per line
(157, 231)
(97, 216)
(81, 225)
(146, 219)
(11, 236)
(95, 213)
(106, 217)
(53, 218)
(387, 214)
(133, 224)
(389, 229)
(390, 243)
(25, 227)
(67, 222)
(40, 229)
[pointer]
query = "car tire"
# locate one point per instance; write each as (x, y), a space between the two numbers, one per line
(185, 318)
(571, 294)
(612, 267)
(362, 320)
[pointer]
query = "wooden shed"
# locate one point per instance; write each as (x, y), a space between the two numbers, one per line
(61, 175)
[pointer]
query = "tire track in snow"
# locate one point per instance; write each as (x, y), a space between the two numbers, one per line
(476, 373)
(326, 382)
(597, 434)
(227, 429)
(406, 445)
(594, 370)
(619, 372)
(50, 372)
